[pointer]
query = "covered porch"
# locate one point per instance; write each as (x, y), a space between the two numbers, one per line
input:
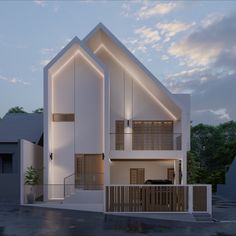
(144, 171)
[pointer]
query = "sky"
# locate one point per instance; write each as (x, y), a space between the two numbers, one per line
(190, 46)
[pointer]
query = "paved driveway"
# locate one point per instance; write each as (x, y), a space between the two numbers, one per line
(34, 221)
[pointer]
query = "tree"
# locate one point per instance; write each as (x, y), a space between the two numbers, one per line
(212, 150)
(193, 168)
(16, 109)
(39, 110)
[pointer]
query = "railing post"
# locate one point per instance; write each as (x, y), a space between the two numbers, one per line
(64, 187)
(209, 199)
(190, 199)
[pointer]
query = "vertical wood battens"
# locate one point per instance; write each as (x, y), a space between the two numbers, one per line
(63, 117)
(143, 198)
(199, 198)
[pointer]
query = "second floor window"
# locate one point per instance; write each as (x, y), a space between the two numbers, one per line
(152, 135)
(120, 134)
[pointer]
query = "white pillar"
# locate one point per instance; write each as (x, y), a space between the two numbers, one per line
(128, 107)
(190, 198)
(184, 169)
(209, 199)
(176, 169)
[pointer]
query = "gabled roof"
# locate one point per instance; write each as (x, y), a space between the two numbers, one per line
(68, 52)
(100, 36)
(15, 126)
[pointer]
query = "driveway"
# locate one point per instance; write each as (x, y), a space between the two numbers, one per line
(33, 221)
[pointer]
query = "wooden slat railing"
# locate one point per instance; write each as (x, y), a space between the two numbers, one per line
(199, 198)
(147, 198)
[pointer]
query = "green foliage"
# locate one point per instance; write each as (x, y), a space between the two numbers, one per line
(32, 176)
(213, 148)
(16, 109)
(39, 110)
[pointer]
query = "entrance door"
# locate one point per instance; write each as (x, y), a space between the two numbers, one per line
(137, 175)
(89, 171)
(171, 174)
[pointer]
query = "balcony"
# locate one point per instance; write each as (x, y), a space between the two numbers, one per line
(145, 141)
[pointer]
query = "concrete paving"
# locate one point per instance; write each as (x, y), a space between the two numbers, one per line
(35, 221)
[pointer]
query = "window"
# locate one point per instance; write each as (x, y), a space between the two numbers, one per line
(152, 135)
(6, 164)
(89, 171)
(137, 175)
(120, 134)
(62, 117)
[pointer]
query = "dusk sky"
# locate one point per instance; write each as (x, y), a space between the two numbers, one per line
(190, 46)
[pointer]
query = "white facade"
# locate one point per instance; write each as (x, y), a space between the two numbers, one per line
(97, 82)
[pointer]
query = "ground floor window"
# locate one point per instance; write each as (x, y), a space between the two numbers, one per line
(89, 171)
(6, 166)
(137, 175)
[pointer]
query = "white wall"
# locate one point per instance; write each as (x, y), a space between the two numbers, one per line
(88, 109)
(63, 151)
(63, 89)
(76, 88)
(120, 171)
(62, 147)
(30, 155)
(128, 99)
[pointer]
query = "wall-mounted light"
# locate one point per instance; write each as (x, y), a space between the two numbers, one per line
(128, 123)
(51, 156)
(103, 156)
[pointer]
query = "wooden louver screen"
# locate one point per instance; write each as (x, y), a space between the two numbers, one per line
(152, 135)
(89, 171)
(120, 134)
(63, 117)
(137, 175)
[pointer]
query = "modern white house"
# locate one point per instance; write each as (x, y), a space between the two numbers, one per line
(114, 137)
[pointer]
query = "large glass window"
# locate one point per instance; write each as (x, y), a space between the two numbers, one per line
(6, 166)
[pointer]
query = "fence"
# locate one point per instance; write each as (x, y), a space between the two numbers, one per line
(158, 198)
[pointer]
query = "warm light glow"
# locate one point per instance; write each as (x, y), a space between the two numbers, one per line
(133, 76)
(85, 58)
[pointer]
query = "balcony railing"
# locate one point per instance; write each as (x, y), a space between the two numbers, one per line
(145, 141)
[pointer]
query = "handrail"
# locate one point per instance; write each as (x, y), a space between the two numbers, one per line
(170, 133)
(65, 182)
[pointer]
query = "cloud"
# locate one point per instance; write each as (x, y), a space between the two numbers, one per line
(211, 19)
(44, 62)
(210, 116)
(211, 92)
(44, 51)
(221, 113)
(56, 8)
(150, 9)
(33, 68)
(207, 43)
(40, 3)
(172, 28)
(148, 35)
(164, 58)
(125, 9)
(13, 80)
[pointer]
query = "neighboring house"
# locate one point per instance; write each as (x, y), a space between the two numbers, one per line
(14, 127)
(228, 189)
(109, 126)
